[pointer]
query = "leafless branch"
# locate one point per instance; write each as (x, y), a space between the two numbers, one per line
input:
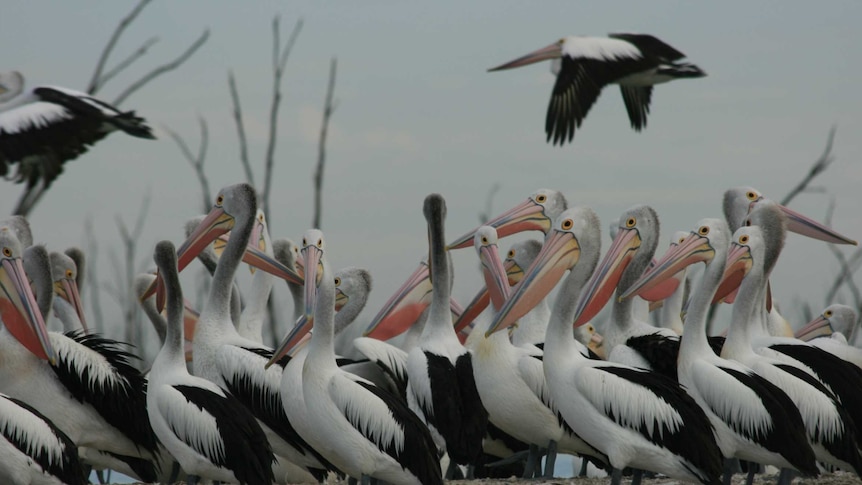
(132, 331)
(279, 61)
(819, 166)
(240, 128)
(848, 267)
(158, 71)
(489, 200)
(328, 109)
(196, 161)
(95, 81)
(134, 56)
(93, 278)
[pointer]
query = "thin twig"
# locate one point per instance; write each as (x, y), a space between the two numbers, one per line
(93, 278)
(820, 165)
(137, 54)
(489, 199)
(328, 109)
(845, 276)
(197, 162)
(170, 66)
(94, 84)
(240, 128)
(279, 58)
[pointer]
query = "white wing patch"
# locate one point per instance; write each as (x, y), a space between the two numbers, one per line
(733, 402)
(387, 354)
(630, 404)
(232, 361)
(32, 116)
(600, 48)
(531, 371)
(366, 412)
(86, 361)
(191, 424)
(25, 427)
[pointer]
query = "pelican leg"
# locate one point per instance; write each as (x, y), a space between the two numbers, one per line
(616, 476)
(786, 476)
(730, 467)
(471, 471)
(193, 480)
(584, 463)
(365, 480)
(751, 471)
(532, 457)
(352, 481)
(637, 476)
(450, 471)
(551, 459)
(175, 472)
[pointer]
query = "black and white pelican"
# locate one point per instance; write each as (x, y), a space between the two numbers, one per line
(43, 127)
(32, 449)
(91, 390)
(209, 432)
(585, 65)
(831, 332)
(440, 384)
(754, 420)
(67, 306)
(638, 418)
(829, 428)
(362, 429)
(220, 354)
(510, 379)
(627, 339)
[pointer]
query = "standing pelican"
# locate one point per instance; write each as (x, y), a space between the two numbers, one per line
(67, 304)
(440, 386)
(831, 331)
(638, 418)
(362, 429)
(206, 429)
(754, 420)
(585, 65)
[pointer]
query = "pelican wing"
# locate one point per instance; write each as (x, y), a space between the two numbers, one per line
(391, 359)
(637, 99)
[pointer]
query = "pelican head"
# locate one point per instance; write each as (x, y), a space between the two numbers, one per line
(534, 214)
(65, 274)
(741, 201)
(835, 318)
(11, 84)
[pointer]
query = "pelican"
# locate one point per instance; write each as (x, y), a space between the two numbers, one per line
(510, 379)
(829, 428)
(363, 430)
(754, 420)
(638, 418)
(440, 384)
(209, 432)
(43, 127)
(91, 390)
(67, 304)
(830, 332)
(585, 65)
(670, 313)
(628, 340)
(220, 354)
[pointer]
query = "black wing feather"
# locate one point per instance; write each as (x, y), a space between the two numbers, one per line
(637, 100)
(650, 46)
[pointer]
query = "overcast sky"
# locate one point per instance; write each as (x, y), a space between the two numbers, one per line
(418, 113)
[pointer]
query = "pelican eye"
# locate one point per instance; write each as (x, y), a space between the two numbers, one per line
(260, 218)
(337, 281)
(630, 222)
(7, 252)
(703, 231)
(827, 313)
(541, 198)
(219, 200)
(320, 243)
(591, 329)
(303, 242)
(752, 195)
(680, 240)
(743, 239)
(69, 274)
(567, 224)
(484, 240)
(511, 254)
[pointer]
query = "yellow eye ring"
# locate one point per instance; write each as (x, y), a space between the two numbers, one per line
(69, 273)
(219, 200)
(567, 224)
(7, 252)
(484, 240)
(511, 254)
(703, 231)
(320, 243)
(828, 313)
(541, 198)
(743, 239)
(337, 281)
(630, 222)
(680, 240)
(752, 195)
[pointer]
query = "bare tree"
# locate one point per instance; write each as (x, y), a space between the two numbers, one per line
(328, 109)
(819, 166)
(92, 246)
(489, 201)
(196, 161)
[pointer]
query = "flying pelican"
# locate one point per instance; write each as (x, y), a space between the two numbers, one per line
(220, 354)
(440, 384)
(43, 127)
(829, 428)
(510, 379)
(585, 65)
(637, 417)
(362, 429)
(205, 428)
(754, 420)
(830, 332)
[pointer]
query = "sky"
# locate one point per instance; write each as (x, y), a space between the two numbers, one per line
(418, 113)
